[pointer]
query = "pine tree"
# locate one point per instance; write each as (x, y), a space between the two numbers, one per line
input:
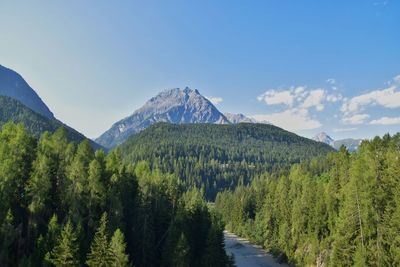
(45, 243)
(118, 250)
(40, 183)
(182, 255)
(78, 182)
(96, 192)
(65, 253)
(7, 238)
(16, 153)
(100, 253)
(215, 254)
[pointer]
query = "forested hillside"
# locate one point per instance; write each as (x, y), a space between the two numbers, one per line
(13, 85)
(35, 123)
(338, 210)
(63, 204)
(217, 157)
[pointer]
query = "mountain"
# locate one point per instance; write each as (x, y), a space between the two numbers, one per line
(35, 123)
(238, 118)
(14, 86)
(349, 143)
(217, 157)
(19, 103)
(174, 106)
(324, 138)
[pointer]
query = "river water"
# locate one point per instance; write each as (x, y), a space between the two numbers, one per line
(247, 254)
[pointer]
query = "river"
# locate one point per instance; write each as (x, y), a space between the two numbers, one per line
(247, 254)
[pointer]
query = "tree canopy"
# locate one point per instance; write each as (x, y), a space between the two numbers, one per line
(338, 210)
(64, 204)
(217, 157)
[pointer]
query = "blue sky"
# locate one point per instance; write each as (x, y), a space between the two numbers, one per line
(307, 66)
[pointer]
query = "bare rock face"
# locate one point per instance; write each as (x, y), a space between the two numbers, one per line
(324, 138)
(238, 118)
(173, 106)
(350, 143)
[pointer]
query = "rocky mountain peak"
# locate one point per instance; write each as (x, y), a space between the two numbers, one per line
(238, 118)
(324, 138)
(350, 143)
(172, 105)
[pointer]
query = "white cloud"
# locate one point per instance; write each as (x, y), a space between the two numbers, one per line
(338, 130)
(381, 3)
(355, 119)
(397, 79)
(290, 119)
(297, 97)
(299, 102)
(273, 97)
(300, 89)
(331, 81)
(386, 121)
(334, 98)
(388, 98)
(314, 99)
(215, 100)
(298, 106)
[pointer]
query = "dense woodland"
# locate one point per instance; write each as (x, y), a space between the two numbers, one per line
(216, 157)
(63, 204)
(338, 210)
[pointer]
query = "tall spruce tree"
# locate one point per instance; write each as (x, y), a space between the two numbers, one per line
(8, 235)
(182, 255)
(100, 254)
(118, 250)
(65, 253)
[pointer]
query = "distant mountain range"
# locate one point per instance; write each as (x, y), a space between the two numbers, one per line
(21, 104)
(183, 106)
(238, 118)
(349, 143)
(176, 106)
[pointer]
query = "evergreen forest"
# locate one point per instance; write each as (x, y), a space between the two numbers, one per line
(337, 210)
(64, 204)
(217, 157)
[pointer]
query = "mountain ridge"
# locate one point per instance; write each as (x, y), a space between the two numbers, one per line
(238, 118)
(20, 103)
(171, 105)
(15, 111)
(350, 143)
(12, 84)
